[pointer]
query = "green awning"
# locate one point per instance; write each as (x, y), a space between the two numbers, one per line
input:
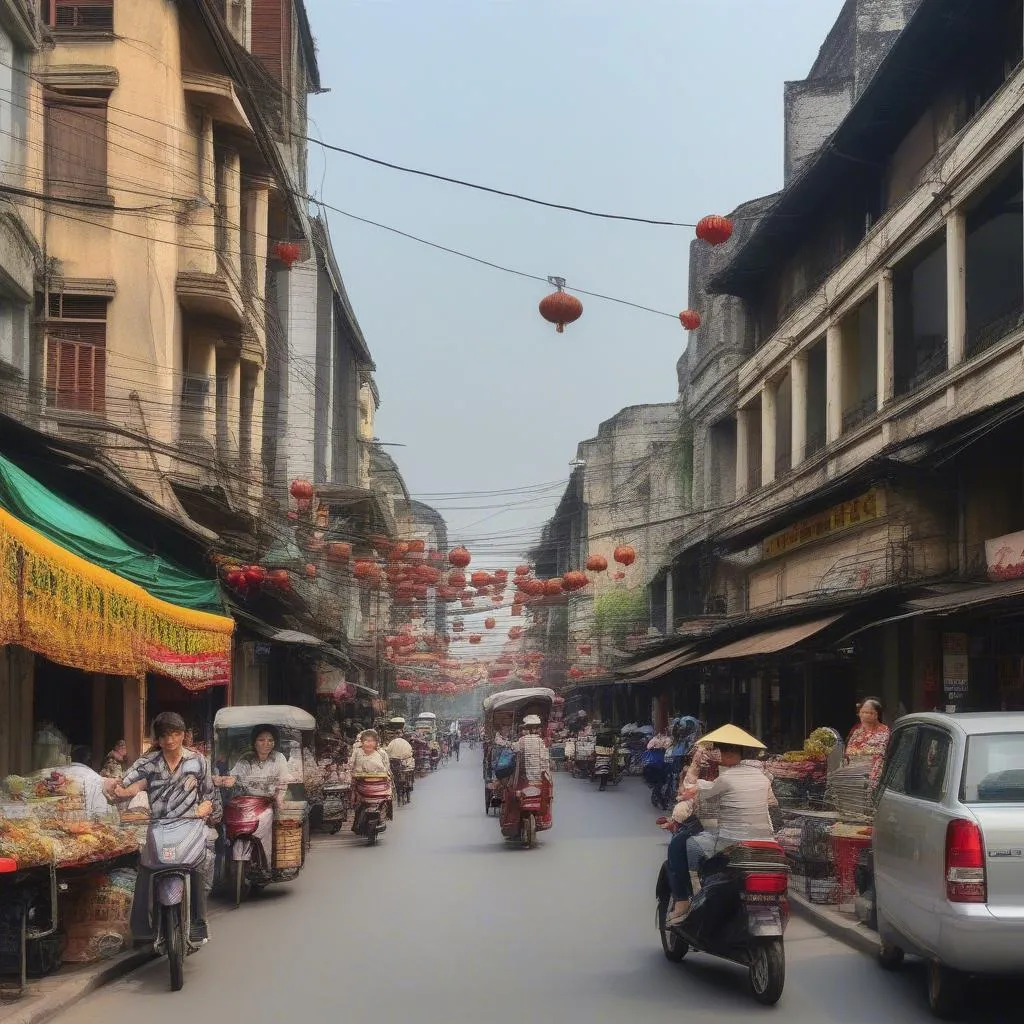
(84, 535)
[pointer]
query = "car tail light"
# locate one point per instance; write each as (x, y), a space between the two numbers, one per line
(774, 884)
(965, 863)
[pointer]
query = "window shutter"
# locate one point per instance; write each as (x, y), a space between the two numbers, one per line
(76, 145)
(269, 34)
(76, 357)
(81, 15)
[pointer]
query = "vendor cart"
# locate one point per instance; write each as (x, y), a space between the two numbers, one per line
(503, 711)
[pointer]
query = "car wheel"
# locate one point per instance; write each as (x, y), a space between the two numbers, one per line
(946, 991)
(890, 957)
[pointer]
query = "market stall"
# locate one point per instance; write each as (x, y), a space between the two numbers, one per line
(68, 878)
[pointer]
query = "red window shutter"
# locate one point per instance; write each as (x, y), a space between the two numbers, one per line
(76, 358)
(269, 20)
(76, 145)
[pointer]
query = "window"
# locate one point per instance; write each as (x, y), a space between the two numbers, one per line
(79, 15)
(927, 776)
(993, 772)
(76, 145)
(901, 748)
(76, 352)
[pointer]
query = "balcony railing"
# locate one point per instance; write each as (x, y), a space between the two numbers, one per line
(863, 410)
(985, 337)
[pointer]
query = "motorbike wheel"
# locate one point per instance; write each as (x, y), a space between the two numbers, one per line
(530, 831)
(672, 945)
(768, 971)
(241, 886)
(174, 940)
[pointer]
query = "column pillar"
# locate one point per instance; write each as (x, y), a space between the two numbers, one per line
(798, 376)
(233, 210)
(229, 418)
(255, 433)
(742, 451)
(769, 409)
(200, 411)
(833, 383)
(886, 386)
(670, 604)
(956, 287)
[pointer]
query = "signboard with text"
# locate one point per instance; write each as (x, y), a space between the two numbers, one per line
(955, 666)
(1004, 557)
(856, 512)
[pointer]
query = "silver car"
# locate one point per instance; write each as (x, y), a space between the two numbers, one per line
(949, 849)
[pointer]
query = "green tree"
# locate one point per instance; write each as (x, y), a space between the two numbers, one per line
(618, 612)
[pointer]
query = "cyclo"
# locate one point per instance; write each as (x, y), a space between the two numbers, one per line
(266, 816)
(524, 805)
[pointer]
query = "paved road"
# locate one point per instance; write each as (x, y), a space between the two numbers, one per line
(444, 922)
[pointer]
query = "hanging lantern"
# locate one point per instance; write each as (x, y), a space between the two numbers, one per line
(625, 554)
(339, 551)
(714, 229)
(690, 319)
(417, 547)
(574, 581)
(620, 576)
(234, 578)
(475, 638)
(280, 578)
(366, 571)
(575, 673)
(560, 308)
(288, 253)
(489, 623)
(480, 579)
(522, 570)
(515, 632)
(255, 575)
(597, 563)
(301, 490)
(459, 557)
(552, 588)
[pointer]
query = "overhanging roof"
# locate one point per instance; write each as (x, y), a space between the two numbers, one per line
(769, 641)
(678, 660)
(916, 65)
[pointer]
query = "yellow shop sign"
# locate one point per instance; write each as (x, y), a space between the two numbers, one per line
(865, 509)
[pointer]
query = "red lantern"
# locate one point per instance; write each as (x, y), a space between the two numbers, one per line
(575, 673)
(574, 581)
(417, 547)
(690, 319)
(560, 308)
(301, 490)
(515, 632)
(255, 575)
(234, 578)
(522, 570)
(552, 588)
(459, 557)
(625, 554)
(597, 563)
(714, 230)
(288, 253)
(480, 580)
(475, 638)
(366, 571)
(339, 551)
(310, 570)
(489, 623)
(280, 578)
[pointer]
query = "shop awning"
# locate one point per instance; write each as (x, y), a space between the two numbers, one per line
(677, 660)
(645, 665)
(77, 592)
(769, 641)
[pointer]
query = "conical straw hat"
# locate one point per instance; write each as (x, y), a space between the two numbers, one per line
(734, 736)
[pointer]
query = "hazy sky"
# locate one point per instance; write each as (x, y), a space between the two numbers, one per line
(668, 109)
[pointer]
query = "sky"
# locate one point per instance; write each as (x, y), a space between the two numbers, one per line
(668, 109)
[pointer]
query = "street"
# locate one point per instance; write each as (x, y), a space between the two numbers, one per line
(443, 921)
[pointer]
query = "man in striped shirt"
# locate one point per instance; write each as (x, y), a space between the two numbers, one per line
(534, 759)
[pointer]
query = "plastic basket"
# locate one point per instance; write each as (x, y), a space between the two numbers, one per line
(846, 852)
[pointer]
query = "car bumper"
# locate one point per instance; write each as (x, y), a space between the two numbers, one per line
(972, 938)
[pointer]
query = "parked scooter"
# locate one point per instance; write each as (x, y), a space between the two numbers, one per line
(372, 805)
(740, 914)
(175, 850)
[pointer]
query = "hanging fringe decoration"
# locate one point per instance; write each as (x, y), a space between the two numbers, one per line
(81, 615)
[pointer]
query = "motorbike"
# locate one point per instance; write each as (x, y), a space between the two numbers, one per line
(404, 777)
(372, 806)
(174, 851)
(740, 915)
(526, 810)
(335, 807)
(243, 864)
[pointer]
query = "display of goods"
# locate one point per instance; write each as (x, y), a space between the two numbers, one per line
(821, 743)
(288, 840)
(790, 792)
(851, 789)
(96, 915)
(842, 830)
(822, 890)
(789, 839)
(24, 841)
(33, 842)
(815, 840)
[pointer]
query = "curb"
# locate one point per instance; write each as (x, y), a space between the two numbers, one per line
(854, 935)
(56, 1002)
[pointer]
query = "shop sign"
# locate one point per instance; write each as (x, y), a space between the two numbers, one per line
(261, 651)
(1004, 557)
(955, 662)
(865, 509)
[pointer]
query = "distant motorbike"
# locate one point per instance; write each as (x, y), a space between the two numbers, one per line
(372, 806)
(404, 778)
(740, 914)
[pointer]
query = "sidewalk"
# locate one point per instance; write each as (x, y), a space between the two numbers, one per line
(839, 925)
(47, 997)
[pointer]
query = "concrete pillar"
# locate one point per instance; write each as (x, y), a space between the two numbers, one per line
(670, 604)
(769, 409)
(742, 451)
(833, 383)
(207, 162)
(229, 423)
(885, 338)
(255, 430)
(798, 375)
(956, 287)
(233, 211)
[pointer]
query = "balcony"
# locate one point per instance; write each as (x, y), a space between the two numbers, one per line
(211, 295)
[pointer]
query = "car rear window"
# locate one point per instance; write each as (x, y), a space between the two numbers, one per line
(994, 769)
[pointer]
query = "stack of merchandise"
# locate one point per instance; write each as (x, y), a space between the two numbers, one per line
(96, 915)
(851, 789)
(43, 821)
(799, 776)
